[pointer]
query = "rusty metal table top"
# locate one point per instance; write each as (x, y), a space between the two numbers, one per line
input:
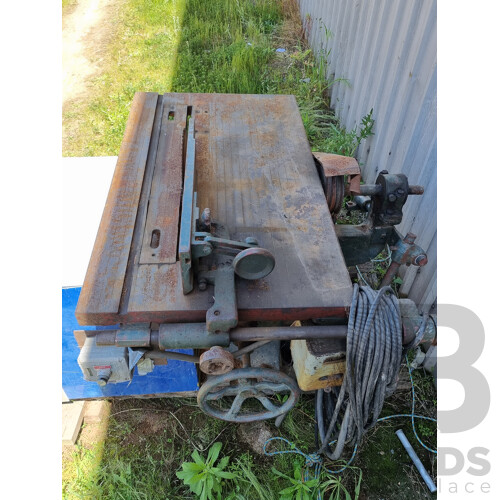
(256, 173)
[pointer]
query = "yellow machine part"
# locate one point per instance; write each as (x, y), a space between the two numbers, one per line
(318, 364)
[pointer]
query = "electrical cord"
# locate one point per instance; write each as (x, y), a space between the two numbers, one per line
(385, 259)
(372, 366)
(315, 460)
(418, 336)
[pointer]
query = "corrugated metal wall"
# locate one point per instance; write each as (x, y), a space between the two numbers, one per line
(386, 50)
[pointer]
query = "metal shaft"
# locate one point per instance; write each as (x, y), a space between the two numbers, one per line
(288, 333)
(374, 189)
(389, 274)
(196, 336)
(179, 356)
(418, 464)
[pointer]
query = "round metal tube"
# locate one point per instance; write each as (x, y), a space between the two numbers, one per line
(374, 189)
(389, 274)
(179, 356)
(202, 340)
(418, 464)
(105, 337)
(189, 336)
(363, 202)
(418, 190)
(250, 348)
(288, 333)
(370, 189)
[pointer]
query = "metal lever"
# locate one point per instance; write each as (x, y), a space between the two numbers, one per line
(250, 263)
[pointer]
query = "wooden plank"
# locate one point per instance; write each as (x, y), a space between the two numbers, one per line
(80, 337)
(103, 286)
(156, 395)
(159, 244)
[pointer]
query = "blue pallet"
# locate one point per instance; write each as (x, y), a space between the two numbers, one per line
(176, 376)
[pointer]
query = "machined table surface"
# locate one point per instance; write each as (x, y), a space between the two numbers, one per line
(255, 171)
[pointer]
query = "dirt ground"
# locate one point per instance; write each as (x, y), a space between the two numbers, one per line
(84, 39)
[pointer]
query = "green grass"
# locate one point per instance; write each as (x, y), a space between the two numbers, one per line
(215, 46)
(223, 46)
(68, 3)
(148, 440)
(140, 56)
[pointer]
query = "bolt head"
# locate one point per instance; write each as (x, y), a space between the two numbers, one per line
(251, 241)
(392, 197)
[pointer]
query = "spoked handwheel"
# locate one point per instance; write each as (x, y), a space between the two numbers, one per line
(227, 402)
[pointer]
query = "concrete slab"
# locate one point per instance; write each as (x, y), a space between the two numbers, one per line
(95, 411)
(72, 417)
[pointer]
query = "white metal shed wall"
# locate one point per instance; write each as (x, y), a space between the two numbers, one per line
(386, 50)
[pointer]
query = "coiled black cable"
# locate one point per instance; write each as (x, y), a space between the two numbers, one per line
(373, 357)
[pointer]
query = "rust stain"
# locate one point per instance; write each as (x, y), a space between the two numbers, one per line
(102, 288)
(334, 165)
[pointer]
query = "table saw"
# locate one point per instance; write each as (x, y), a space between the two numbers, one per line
(219, 235)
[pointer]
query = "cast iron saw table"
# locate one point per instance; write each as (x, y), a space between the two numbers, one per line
(255, 171)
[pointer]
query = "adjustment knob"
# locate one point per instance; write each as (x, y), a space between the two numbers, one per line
(253, 263)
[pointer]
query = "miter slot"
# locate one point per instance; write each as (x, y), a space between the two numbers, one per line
(159, 245)
(189, 113)
(155, 238)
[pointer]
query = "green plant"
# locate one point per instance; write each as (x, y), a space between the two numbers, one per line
(337, 490)
(336, 139)
(248, 485)
(426, 430)
(300, 489)
(202, 477)
(281, 398)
